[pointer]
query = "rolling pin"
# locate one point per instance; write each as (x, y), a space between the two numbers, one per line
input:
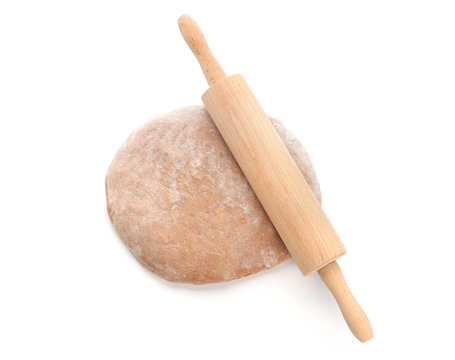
(275, 178)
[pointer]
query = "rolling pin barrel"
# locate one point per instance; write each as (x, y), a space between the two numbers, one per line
(273, 174)
(275, 178)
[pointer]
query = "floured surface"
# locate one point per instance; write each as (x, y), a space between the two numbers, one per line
(180, 202)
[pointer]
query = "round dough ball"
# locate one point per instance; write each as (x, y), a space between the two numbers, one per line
(181, 204)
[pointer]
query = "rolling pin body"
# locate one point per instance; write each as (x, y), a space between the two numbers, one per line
(273, 175)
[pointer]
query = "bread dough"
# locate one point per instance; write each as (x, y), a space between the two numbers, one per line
(181, 204)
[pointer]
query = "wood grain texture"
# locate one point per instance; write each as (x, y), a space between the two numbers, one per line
(273, 174)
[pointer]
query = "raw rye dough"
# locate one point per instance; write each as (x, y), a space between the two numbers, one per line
(181, 204)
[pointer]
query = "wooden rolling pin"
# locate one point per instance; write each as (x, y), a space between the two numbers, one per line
(275, 178)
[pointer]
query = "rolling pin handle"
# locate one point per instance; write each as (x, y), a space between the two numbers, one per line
(193, 36)
(353, 314)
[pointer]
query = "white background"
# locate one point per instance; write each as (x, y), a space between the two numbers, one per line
(369, 89)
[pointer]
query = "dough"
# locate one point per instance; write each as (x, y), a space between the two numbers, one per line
(181, 204)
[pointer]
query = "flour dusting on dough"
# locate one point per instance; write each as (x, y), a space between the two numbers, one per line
(182, 205)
